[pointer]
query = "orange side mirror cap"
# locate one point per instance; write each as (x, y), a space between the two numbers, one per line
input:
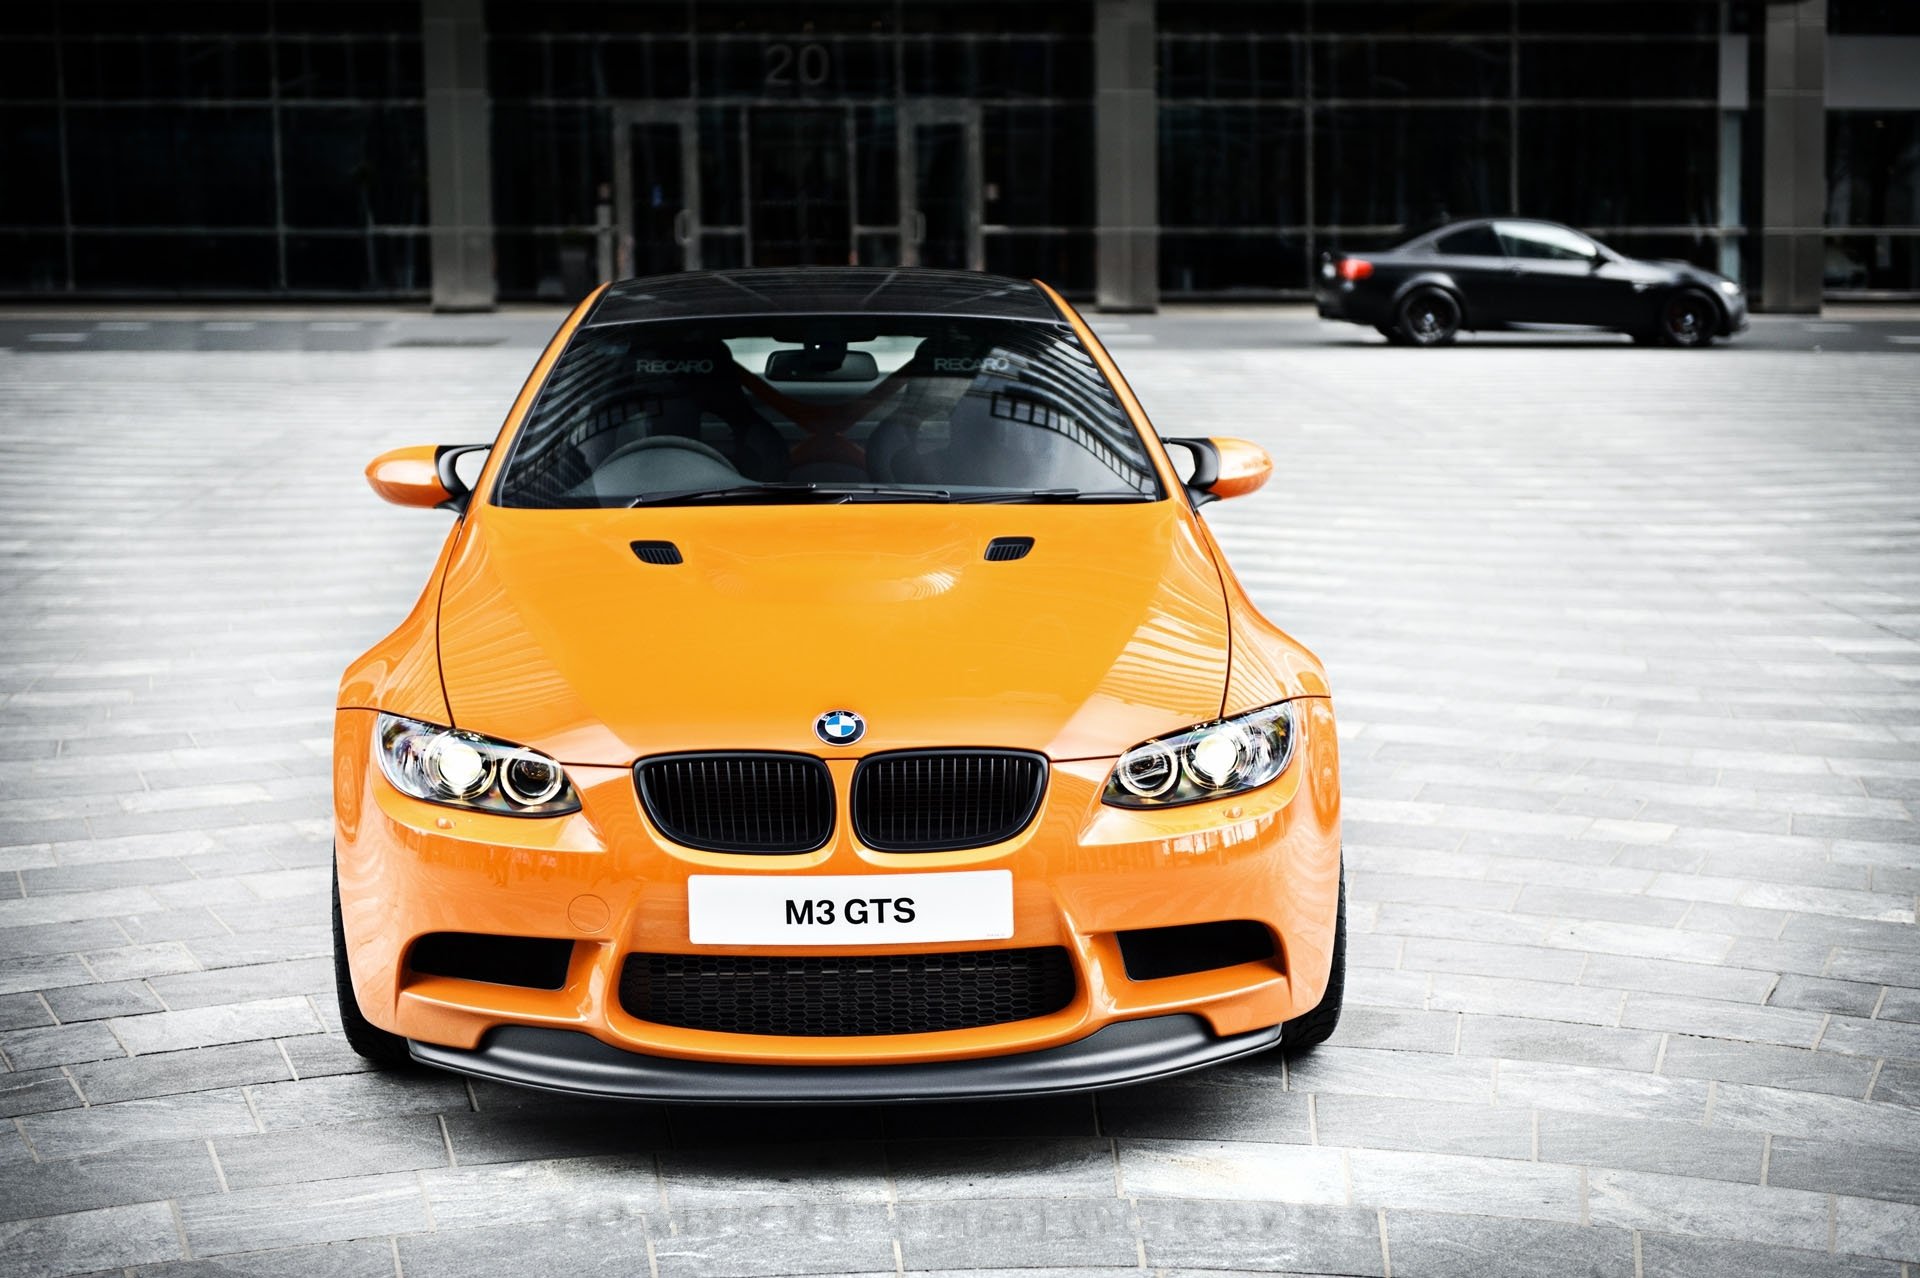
(421, 475)
(1225, 467)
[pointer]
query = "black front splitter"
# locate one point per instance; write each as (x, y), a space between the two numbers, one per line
(570, 1061)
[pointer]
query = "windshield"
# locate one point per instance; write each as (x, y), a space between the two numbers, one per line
(825, 408)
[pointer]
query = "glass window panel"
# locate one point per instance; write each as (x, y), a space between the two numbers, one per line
(1385, 166)
(32, 262)
(876, 158)
(1538, 242)
(1414, 17)
(170, 166)
(1222, 264)
(548, 163)
(1889, 263)
(1233, 67)
(1063, 260)
(1873, 17)
(1617, 17)
(995, 17)
(353, 166)
(1620, 166)
(516, 68)
(119, 69)
(1621, 69)
(1474, 241)
(795, 66)
(27, 69)
(723, 252)
(194, 263)
(1231, 166)
(143, 17)
(1037, 165)
(380, 68)
(346, 17)
(30, 193)
(719, 153)
(1873, 168)
(584, 17)
(1411, 69)
(646, 68)
(1231, 17)
(392, 264)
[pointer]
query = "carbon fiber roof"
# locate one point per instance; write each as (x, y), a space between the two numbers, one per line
(821, 290)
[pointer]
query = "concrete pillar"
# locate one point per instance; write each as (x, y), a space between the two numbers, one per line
(459, 157)
(1126, 151)
(1793, 156)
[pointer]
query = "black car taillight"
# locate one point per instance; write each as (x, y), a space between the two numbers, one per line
(1354, 268)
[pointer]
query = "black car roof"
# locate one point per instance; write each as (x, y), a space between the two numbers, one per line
(821, 290)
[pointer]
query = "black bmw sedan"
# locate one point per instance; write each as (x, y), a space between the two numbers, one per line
(1496, 273)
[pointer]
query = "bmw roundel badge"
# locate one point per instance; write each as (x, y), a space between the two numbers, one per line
(840, 727)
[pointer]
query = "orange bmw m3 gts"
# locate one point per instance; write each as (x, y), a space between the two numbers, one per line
(828, 691)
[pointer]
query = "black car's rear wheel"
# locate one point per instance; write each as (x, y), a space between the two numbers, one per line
(1391, 333)
(1429, 317)
(388, 1051)
(1688, 319)
(1312, 1028)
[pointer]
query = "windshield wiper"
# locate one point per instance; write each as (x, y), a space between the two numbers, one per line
(1037, 495)
(827, 494)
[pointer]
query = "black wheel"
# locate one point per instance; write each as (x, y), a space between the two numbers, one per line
(388, 1051)
(1391, 333)
(1313, 1028)
(1688, 319)
(1429, 317)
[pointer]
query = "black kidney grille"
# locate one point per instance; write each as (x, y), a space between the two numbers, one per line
(762, 803)
(937, 800)
(840, 996)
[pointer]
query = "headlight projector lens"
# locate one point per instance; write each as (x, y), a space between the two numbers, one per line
(531, 780)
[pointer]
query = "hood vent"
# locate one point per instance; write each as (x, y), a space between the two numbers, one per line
(657, 552)
(1002, 549)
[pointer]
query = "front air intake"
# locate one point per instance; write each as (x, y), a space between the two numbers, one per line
(531, 962)
(1154, 952)
(846, 995)
(759, 803)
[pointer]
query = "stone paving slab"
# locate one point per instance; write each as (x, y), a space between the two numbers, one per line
(1627, 648)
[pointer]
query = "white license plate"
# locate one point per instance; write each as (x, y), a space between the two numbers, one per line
(849, 909)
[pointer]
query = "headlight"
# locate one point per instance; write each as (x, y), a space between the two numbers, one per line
(467, 770)
(1729, 287)
(1207, 761)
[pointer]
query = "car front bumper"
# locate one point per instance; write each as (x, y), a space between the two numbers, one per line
(606, 882)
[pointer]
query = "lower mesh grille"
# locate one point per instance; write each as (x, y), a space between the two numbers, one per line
(841, 996)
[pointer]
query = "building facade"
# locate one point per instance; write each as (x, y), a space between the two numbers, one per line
(470, 151)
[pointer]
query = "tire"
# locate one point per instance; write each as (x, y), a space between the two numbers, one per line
(1688, 318)
(388, 1051)
(1310, 1029)
(1429, 317)
(1392, 334)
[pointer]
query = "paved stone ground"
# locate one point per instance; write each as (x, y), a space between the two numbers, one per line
(1627, 649)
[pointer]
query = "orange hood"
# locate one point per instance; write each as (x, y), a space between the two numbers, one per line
(552, 633)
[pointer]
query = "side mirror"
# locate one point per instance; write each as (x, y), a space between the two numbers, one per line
(1224, 467)
(423, 475)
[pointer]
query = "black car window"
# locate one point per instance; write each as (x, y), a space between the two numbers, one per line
(1539, 241)
(1471, 241)
(910, 407)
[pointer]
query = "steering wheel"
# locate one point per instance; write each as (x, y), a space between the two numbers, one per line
(680, 442)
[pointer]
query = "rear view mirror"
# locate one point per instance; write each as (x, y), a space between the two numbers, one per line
(1224, 467)
(422, 475)
(810, 366)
